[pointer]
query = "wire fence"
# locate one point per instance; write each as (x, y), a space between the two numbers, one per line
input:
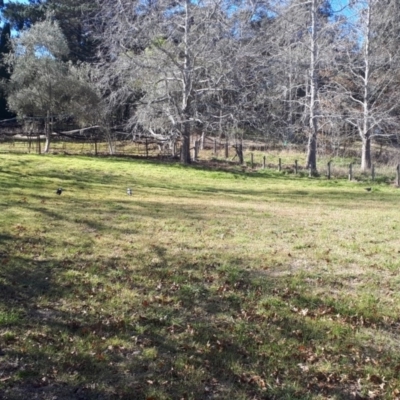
(27, 137)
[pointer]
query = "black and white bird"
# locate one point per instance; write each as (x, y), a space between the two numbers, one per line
(368, 189)
(129, 192)
(59, 191)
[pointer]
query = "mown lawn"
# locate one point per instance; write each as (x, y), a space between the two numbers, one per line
(204, 284)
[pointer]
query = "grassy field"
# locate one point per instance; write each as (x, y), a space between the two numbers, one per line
(204, 284)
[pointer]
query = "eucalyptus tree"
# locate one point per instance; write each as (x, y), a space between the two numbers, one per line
(168, 58)
(368, 73)
(302, 44)
(41, 84)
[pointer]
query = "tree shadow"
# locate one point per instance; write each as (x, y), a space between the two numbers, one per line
(172, 327)
(210, 329)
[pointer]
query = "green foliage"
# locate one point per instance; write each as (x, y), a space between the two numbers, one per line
(4, 73)
(41, 83)
(72, 16)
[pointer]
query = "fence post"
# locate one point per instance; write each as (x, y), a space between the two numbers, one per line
(251, 160)
(296, 167)
(280, 164)
(95, 147)
(350, 171)
(329, 170)
(215, 147)
(373, 172)
(398, 175)
(147, 149)
(264, 158)
(226, 149)
(38, 144)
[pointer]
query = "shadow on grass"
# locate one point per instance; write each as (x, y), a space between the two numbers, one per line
(200, 330)
(170, 328)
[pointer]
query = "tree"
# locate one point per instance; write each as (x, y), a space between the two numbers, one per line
(4, 73)
(368, 73)
(41, 84)
(73, 17)
(169, 57)
(302, 39)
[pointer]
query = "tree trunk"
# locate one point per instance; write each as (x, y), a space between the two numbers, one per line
(110, 141)
(187, 87)
(239, 152)
(203, 135)
(366, 160)
(312, 139)
(47, 143)
(48, 133)
(312, 153)
(185, 153)
(365, 134)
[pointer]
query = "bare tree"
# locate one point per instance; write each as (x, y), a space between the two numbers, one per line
(165, 60)
(367, 73)
(304, 37)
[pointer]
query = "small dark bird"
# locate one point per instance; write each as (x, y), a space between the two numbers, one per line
(59, 191)
(129, 192)
(368, 189)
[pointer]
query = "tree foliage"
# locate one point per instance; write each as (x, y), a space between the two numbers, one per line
(287, 70)
(41, 83)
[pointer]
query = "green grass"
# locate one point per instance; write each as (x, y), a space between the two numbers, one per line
(205, 284)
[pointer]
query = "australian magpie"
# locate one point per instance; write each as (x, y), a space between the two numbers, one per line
(59, 191)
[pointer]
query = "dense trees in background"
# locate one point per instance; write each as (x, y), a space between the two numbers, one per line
(41, 84)
(285, 70)
(72, 16)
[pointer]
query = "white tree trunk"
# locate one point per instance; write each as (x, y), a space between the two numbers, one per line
(187, 90)
(48, 133)
(312, 138)
(365, 133)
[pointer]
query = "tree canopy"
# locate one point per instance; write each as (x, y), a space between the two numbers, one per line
(286, 70)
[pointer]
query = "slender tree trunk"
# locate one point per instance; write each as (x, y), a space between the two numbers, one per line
(203, 135)
(312, 138)
(48, 133)
(187, 82)
(365, 134)
(110, 141)
(47, 143)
